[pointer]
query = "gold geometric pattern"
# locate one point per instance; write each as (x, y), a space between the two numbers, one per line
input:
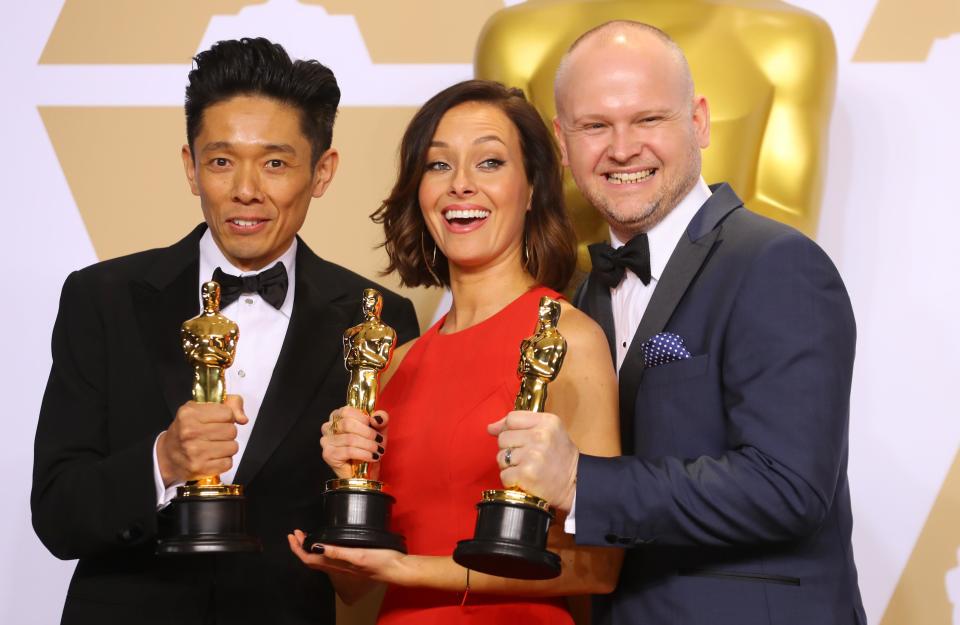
(93, 32)
(123, 168)
(921, 595)
(433, 31)
(122, 164)
(905, 31)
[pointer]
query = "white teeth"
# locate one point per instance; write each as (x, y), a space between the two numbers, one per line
(473, 213)
(245, 223)
(627, 178)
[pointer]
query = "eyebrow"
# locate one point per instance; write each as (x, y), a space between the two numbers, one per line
(478, 140)
(595, 117)
(267, 147)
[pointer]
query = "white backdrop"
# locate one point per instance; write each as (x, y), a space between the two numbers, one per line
(890, 220)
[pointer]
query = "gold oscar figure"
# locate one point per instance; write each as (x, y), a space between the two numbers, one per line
(209, 516)
(367, 350)
(767, 69)
(541, 357)
(356, 509)
(510, 538)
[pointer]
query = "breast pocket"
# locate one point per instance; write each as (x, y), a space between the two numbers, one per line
(678, 411)
(676, 371)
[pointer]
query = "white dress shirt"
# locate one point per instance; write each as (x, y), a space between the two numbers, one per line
(262, 330)
(630, 298)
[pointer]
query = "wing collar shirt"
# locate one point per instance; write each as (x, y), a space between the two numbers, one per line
(630, 298)
(262, 330)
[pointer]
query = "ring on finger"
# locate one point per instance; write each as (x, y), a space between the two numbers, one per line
(335, 423)
(508, 456)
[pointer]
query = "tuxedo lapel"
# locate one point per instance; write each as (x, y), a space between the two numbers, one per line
(593, 298)
(165, 297)
(311, 347)
(685, 263)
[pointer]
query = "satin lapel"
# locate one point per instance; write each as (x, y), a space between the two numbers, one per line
(312, 345)
(594, 299)
(167, 296)
(684, 265)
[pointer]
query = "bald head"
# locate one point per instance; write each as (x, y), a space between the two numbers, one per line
(626, 41)
(629, 125)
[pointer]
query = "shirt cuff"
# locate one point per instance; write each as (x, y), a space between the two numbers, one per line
(570, 524)
(164, 495)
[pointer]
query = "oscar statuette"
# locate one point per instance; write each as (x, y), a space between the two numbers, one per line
(510, 537)
(356, 510)
(208, 515)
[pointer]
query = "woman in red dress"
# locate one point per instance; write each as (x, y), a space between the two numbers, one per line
(478, 208)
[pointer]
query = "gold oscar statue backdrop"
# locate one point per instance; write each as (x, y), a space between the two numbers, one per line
(836, 117)
(767, 68)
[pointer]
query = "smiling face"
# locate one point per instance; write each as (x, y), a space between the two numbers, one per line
(630, 128)
(251, 169)
(474, 192)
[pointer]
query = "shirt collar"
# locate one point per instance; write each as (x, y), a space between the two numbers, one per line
(212, 257)
(664, 236)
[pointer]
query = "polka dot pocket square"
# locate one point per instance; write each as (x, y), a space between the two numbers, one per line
(663, 348)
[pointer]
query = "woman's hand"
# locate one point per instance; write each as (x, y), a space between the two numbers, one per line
(351, 436)
(381, 565)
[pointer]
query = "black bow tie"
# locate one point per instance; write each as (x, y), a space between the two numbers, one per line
(271, 285)
(609, 263)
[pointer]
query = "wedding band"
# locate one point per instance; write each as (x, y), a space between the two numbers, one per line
(507, 456)
(335, 423)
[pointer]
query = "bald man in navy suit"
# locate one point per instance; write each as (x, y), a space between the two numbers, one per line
(734, 340)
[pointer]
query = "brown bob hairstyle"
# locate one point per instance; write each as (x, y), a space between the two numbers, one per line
(550, 254)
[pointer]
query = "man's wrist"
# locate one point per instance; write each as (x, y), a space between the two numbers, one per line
(566, 503)
(164, 491)
(570, 523)
(160, 459)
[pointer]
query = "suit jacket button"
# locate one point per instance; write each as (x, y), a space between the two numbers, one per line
(611, 538)
(131, 534)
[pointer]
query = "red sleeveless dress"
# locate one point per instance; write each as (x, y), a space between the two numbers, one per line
(440, 458)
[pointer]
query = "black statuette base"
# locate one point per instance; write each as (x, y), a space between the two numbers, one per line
(510, 540)
(208, 525)
(356, 518)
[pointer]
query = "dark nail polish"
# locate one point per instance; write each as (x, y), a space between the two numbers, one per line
(317, 549)
(376, 456)
(378, 419)
(379, 449)
(379, 438)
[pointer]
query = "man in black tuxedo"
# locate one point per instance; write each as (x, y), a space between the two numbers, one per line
(734, 341)
(117, 433)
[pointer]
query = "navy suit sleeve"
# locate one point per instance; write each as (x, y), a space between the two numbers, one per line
(87, 498)
(580, 294)
(785, 371)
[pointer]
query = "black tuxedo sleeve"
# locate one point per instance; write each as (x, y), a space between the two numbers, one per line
(89, 494)
(784, 373)
(399, 314)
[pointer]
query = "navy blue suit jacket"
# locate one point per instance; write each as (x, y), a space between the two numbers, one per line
(731, 496)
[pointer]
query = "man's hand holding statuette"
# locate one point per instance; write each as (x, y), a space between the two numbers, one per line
(201, 441)
(542, 458)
